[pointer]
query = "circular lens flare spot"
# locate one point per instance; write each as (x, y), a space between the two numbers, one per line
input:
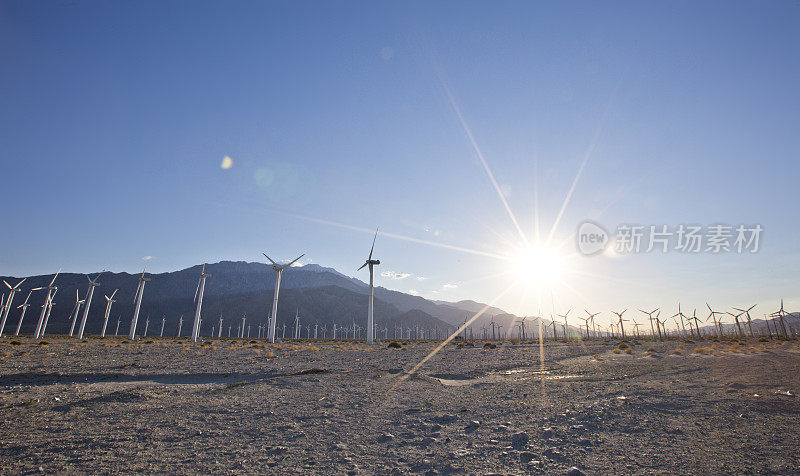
(227, 163)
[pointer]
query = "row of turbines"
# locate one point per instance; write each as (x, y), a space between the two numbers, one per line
(269, 331)
(687, 326)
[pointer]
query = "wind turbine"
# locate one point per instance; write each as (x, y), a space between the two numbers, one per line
(697, 328)
(779, 314)
(198, 296)
(116, 331)
(180, 325)
(13, 290)
(712, 314)
(138, 302)
(621, 326)
(747, 315)
(75, 311)
(219, 331)
(49, 309)
(566, 327)
(92, 284)
(273, 320)
(738, 326)
(163, 321)
(24, 307)
(590, 318)
(109, 302)
(682, 316)
(650, 318)
(371, 263)
(50, 288)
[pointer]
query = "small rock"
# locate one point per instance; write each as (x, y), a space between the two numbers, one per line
(526, 457)
(547, 433)
(519, 440)
(472, 426)
(386, 437)
(573, 471)
(554, 454)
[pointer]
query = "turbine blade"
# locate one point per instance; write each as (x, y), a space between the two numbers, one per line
(9, 286)
(54, 277)
(293, 261)
(115, 292)
(373, 244)
(196, 290)
(270, 259)
(362, 266)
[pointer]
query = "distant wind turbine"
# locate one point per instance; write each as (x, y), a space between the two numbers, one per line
(370, 317)
(92, 284)
(138, 302)
(75, 311)
(274, 317)
(13, 290)
(50, 288)
(24, 307)
(198, 296)
(109, 302)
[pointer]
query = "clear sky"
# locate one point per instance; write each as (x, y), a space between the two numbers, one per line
(340, 117)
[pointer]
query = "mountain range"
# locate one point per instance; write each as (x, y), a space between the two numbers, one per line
(319, 295)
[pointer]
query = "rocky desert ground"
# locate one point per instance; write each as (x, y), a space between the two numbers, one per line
(243, 406)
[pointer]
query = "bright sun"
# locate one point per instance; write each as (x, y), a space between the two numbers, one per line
(539, 266)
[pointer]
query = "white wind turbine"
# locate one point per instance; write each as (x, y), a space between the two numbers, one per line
(92, 284)
(75, 311)
(7, 307)
(370, 262)
(274, 317)
(198, 296)
(24, 307)
(138, 302)
(109, 302)
(50, 288)
(49, 309)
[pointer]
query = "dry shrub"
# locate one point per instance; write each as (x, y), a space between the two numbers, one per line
(676, 352)
(617, 351)
(269, 354)
(16, 342)
(680, 346)
(623, 346)
(5, 353)
(629, 351)
(650, 350)
(702, 350)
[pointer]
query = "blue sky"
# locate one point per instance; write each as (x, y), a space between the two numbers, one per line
(116, 116)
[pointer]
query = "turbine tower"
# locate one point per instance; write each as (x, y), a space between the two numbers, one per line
(50, 288)
(92, 284)
(198, 296)
(138, 302)
(49, 309)
(109, 302)
(371, 263)
(273, 318)
(7, 307)
(24, 307)
(75, 311)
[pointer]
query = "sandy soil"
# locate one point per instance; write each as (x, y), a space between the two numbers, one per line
(164, 406)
